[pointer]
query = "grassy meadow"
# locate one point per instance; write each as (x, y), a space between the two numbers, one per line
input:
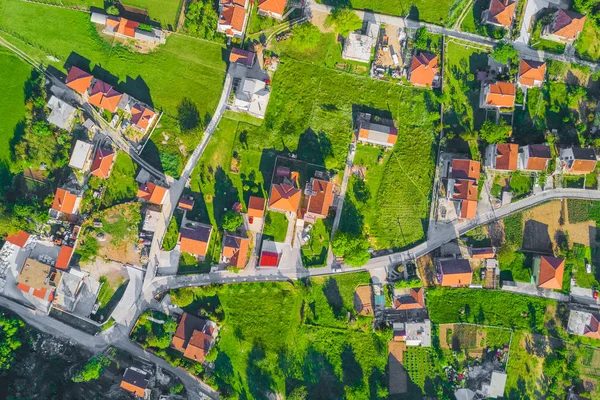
(15, 72)
(444, 12)
(267, 346)
(588, 42)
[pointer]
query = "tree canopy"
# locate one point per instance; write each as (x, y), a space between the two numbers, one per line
(492, 133)
(504, 53)
(306, 36)
(201, 19)
(344, 19)
(354, 248)
(232, 221)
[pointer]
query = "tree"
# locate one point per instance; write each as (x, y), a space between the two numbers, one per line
(306, 36)
(9, 341)
(504, 53)
(492, 133)
(422, 39)
(92, 370)
(344, 19)
(354, 248)
(232, 221)
(201, 19)
(88, 250)
(182, 297)
(585, 6)
(175, 389)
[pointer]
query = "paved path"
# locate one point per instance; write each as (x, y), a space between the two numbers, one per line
(340, 198)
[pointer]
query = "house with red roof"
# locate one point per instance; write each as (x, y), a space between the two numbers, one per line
(502, 156)
(462, 188)
(242, 57)
(498, 95)
(376, 131)
(235, 251)
(270, 254)
(548, 272)
(584, 323)
(531, 73)
(271, 8)
(194, 337)
(232, 17)
(534, 157)
(152, 193)
(319, 199)
(565, 26)
(103, 162)
(284, 198)
(410, 299)
(501, 13)
(424, 70)
(79, 80)
(64, 257)
(65, 202)
(142, 118)
(186, 203)
(256, 207)
(19, 239)
(194, 238)
(104, 96)
(578, 160)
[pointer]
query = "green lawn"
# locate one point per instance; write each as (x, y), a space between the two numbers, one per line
(462, 110)
(108, 297)
(172, 234)
(162, 11)
(266, 347)
(121, 185)
(444, 12)
(276, 225)
(314, 252)
(258, 23)
(588, 42)
(472, 21)
(15, 73)
(542, 44)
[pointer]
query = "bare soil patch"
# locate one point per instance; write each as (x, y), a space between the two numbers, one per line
(543, 227)
(318, 20)
(426, 270)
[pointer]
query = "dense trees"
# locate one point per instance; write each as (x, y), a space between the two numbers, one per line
(201, 19)
(232, 221)
(492, 133)
(354, 248)
(345, 21)
(9, 340)
(505, 53)
(92, 370)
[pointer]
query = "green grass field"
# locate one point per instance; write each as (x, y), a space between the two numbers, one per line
(314, 252)
(162, 11)
(121, 185)
(443, 12)
(15, 73)
(276, 225)
(265, 347)
(72, 39)
(462, 110)
(588, 42)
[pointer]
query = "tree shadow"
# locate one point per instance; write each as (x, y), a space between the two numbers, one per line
(352, 220)
(334, 297)
(151, 154)
(536, 236)
(413, 13)
(260, 382)
(314, 148)
(188, 115)
(267, 163)
(353, 373)
(77, 60)
(225, 195)
(224, 375)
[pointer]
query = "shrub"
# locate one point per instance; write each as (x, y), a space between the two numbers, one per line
(175, 389)
(112, 10)
(504, 53)
(182, 297)
(411, 283)
(92, 370)
(354, 248)
(88, 249)
(145, 27)
(345, 20)
(232, 221)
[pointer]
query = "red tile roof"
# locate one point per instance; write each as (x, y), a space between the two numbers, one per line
(465, 190)
(593, 328)
(198, 346)
(152, 193)
(272, 6)
(551, 272)
(192, 337)
(102, 162)
(234, 16)
(539, 155)
(104, 96)
(466, 169)
(195, 240)
(64, 202)
(424, 68)
(501, 94)
(322, 200)
(256, 207)
(141, 116)
(568, 24)
(531, 72)
(414, 300)
(79, 80)
(507, 155)
(483, 253)
(284, 197)
(127, 27)
(236, 250)
(468, 209)
(185, 203)
(19, 239)
(64, 257)
(502, 12)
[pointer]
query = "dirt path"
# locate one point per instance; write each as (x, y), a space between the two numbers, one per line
(462, 16)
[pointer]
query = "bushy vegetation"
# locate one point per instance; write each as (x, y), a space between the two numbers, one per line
(232, 220)
(492, 133)
(344, 20)
(172, 235)
(505, 53)
(10, 342)
(92, 370)
(411, 283)
(353, 247)
(201, 20)
(121, 185)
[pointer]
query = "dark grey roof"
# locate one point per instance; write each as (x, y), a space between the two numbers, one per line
(540, 151)
(582, 153)
(200, 233)
(136, 377)
(455, 266)
(231, 241)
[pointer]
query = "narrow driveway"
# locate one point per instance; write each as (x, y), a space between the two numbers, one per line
(340, 198)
